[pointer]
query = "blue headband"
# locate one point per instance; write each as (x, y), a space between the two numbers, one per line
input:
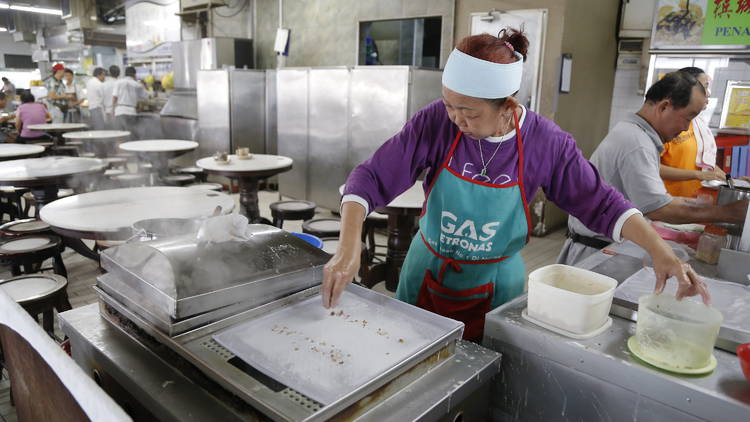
(473, 77)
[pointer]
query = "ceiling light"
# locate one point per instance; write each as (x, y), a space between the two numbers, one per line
(32, 9)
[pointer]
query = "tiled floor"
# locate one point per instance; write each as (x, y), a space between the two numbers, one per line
(82, 273)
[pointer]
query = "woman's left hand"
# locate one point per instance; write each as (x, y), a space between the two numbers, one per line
(666, 265)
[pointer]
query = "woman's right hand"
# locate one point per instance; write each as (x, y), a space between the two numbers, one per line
(339, 272)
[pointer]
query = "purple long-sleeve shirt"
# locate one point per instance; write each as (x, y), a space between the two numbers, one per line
(551, 161)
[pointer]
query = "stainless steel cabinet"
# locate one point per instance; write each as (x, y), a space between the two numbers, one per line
(332, 119)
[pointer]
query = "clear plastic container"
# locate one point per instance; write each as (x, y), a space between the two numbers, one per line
(677, 334)
(710, 244)
(570, 298)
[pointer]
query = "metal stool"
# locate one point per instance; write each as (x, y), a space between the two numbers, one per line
(178, 179)
(23, 227)
(217, 187)
(322, 227)
(26, 253)
(30, 201)
(292, 210)
(200, 175)
(39, 294)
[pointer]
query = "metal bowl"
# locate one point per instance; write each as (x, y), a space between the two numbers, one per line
(158, 228)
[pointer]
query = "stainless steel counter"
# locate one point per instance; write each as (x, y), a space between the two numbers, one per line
(545, 376)
(144, 384)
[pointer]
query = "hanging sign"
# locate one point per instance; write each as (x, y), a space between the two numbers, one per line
(703, 24)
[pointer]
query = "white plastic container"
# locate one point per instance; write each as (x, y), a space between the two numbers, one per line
(570, 298)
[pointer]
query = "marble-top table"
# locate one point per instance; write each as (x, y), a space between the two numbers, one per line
(158, 152)
(57, 129)
(16, 151)
(109, 214)
(402, 213)
(248, 171)
(102, 141)
(48, 172)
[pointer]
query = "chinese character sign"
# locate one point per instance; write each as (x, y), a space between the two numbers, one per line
(727, 23)
(701, 22)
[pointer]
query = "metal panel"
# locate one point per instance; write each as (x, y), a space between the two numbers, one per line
(271, 113)
(248, 97)
(377, 109)
(329, 92)
(213, 112)
(186, 59)
(292, 97)
(425, 87)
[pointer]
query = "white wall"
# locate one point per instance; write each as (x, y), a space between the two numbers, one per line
(8, 46)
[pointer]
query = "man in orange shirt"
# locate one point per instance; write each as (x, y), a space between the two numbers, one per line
(691, 156)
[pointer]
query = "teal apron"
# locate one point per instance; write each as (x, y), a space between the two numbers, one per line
(465, 260)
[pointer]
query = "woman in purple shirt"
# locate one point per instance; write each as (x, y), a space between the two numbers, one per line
(30, 113)
(485, 157)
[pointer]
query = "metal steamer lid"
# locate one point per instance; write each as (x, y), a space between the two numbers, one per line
(180, 277)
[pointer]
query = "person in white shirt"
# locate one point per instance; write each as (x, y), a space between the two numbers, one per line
(124, 99)
(108, 87)
(75, 97)
(95, 97)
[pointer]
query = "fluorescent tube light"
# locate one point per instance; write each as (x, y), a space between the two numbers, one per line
(31, 9)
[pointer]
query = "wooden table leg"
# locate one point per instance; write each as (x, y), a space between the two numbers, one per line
(249, 198)
(80, 247)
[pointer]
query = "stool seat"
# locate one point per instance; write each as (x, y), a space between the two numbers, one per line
(114, 172)
(207, 186)
(28, 245)
(113, 162)
(39, 294)
(178, 179)
(28, 252)
(322, 227)
(28, 288)
(376, 216)
(189, 170)
(23, 227)
(292, 210)
(87, 155)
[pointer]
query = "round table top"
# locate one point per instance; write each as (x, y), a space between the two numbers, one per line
(413, 198)
(109, 214)
(159, 145)
(58, 127)
(39, 171)
(19, 150)
(258, 163)
(97, 135)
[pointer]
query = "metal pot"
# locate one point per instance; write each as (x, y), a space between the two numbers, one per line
(728, 195)
(157, 228)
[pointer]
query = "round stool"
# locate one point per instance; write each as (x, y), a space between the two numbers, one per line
(87, 155)
(322, 227)
(68, 150)
(114, 172)
(131, 180)
(24, 227)
(217, 187)
(26, 253)
(30, 201)
(116, 162)
(178, 179)
(39, 294)
(292, 210)
(13, 206)
(198, 172)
